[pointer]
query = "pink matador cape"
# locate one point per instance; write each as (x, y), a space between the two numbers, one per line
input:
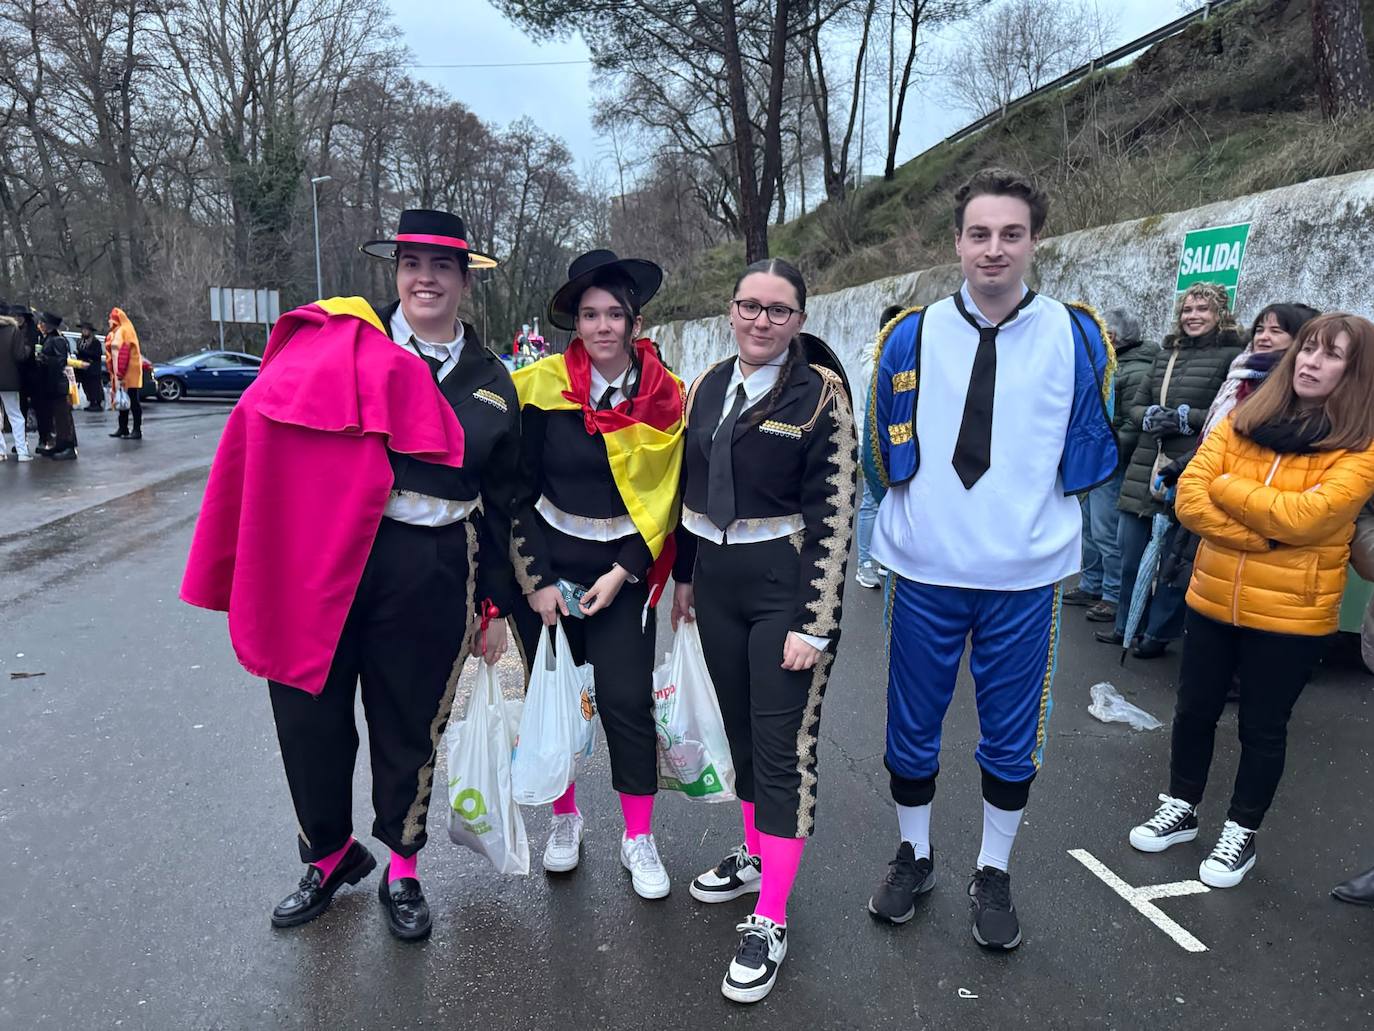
(299, 482)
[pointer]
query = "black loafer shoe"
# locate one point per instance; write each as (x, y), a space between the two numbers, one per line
(1359, 890)
(1149, 648)
(1109, 637)
(1078, 596)
(313, 895)
(120, 433)
(407, 912)
(136, 435)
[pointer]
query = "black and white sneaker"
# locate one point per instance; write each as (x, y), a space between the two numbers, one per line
(994, 917)
(735, 875)
(907, 879)
(762, 947)
(1175, 821)
(1231, 859)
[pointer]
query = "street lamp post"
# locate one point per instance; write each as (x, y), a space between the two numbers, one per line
(315, 204)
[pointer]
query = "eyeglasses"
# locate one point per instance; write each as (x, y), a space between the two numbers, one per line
(778, 314)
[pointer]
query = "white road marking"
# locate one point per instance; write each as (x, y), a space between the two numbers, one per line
(1140, 898)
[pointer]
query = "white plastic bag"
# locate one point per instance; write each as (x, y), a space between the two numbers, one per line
(1110, 707)
(482, 812)
(557, 728)
(693, 751)
(121, 401)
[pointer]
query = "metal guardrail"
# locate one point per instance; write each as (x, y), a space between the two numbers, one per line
(1144, 42)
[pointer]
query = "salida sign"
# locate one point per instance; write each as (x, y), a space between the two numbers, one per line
(1213, 255)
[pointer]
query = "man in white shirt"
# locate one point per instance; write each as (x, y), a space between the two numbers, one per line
(979, 523)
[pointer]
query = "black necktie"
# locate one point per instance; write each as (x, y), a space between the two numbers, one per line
(973, 448)
(435, 364)
(605, 401)
(720, 483)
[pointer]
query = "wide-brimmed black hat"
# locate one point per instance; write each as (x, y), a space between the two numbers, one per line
(49, 319)
(85, 325)
(432, 228)
(817, 352)
(645, 278)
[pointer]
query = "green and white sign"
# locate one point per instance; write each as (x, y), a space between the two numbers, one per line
(1213, 255)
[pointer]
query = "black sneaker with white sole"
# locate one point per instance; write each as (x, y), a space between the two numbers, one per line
(754, 970)
(735, 875)
(1175, 821)
(993, 916)
(907, 879)
(1231, 859)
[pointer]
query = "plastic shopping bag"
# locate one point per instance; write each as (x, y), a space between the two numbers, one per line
(482, 812)
(121, 401)
(557, 729)
(693, 751)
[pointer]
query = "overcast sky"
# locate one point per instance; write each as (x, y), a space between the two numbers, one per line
(559, 96)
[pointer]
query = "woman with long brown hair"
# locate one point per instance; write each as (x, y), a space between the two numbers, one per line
(1273, 492)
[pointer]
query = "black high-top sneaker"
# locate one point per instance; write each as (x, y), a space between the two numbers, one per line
(1231, 859)
(1175, 821)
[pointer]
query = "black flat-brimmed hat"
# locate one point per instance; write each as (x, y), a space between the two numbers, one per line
(644, 277)
(85, 325)
(49, 319)
(433, 229)
(817, 352)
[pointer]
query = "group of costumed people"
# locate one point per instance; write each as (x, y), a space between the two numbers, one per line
(589, 477)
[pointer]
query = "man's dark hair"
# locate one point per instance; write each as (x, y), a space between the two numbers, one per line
(890, 313)
(1002, 182)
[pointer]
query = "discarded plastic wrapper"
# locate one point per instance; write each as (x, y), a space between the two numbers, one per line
(1110, 707)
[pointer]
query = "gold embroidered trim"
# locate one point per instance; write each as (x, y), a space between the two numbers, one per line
(781, 429)
(875, 454)
(904, 381)
(835, 546)
(762, 528)
(491, 398)
(1108, 373)
(1042, 724)
(899, 433)
(529, 583)
(808, 735)
(414, 824)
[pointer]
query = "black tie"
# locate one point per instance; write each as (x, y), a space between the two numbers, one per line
(720, 483)
(605, 401)
(973, 448)
(435, 364)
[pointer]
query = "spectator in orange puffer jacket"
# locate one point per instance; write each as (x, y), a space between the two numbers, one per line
(1273, 492)
(125, 362)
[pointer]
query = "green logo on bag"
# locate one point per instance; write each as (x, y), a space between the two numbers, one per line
(469, 804)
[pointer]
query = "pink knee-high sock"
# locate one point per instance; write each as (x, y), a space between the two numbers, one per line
(639, 814)
(751, 834)
(327, 864)
(781, 857)
(567, 802)
(402, 866)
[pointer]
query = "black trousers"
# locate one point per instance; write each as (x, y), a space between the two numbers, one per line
(1273, 669)
(135, 409)
(405, 641)
(621, 652)
(64, 426)
(44, 411)
(746, 597)
(91, 384)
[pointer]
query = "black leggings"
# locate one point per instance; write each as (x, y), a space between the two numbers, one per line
(135, 409)
(621, 651)
(746, 598)
(1273, 669)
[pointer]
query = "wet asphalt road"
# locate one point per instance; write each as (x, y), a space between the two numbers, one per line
(146, 831)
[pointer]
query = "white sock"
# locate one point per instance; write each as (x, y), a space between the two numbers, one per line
(914, 821)
(999, 834)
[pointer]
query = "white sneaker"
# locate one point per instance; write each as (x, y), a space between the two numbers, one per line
(25, 458)
(737, 874)
(640, 856)
(564, 848)
(1174, 821)
(754, 970)
(866, 576)
(1231, 859)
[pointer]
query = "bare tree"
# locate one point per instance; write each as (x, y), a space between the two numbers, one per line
(1341, 54)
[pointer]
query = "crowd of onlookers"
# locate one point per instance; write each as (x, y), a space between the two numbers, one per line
(44, 375)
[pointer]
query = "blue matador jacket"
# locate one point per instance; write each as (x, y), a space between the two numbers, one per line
(892, 453)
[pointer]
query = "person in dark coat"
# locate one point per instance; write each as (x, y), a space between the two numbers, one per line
(15, 355)
(1169, 409)
(89, 349)
(54, 389)
(29, 373)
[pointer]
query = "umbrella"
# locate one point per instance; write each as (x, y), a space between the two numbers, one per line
(1145, 578)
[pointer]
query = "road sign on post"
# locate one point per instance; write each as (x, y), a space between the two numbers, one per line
(1213, 255)
(233, 304)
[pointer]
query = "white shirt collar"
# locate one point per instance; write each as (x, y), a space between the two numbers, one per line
(973, 308)
(600, 383)
(449, 351)
(758, 383)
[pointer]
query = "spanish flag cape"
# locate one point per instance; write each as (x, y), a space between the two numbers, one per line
(643, 437)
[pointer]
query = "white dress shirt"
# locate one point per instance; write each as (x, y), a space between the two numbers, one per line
(446, 352)
(600, 383)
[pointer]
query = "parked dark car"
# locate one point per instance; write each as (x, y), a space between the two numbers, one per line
(206, 374)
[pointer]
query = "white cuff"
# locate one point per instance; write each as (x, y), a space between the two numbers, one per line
(819, 643)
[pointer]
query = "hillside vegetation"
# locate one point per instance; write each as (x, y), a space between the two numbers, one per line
(1227, 107)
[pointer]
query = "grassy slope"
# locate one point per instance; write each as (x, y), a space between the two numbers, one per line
(1226, 108)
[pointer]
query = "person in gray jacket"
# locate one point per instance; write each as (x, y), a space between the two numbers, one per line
(13, 352)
